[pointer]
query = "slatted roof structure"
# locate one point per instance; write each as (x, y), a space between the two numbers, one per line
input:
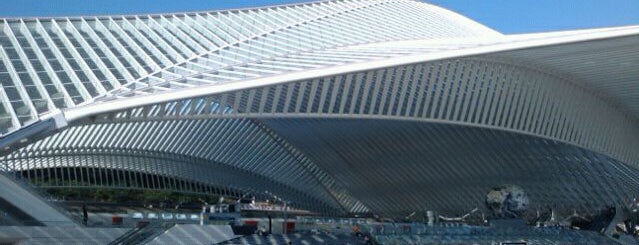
(341, 107)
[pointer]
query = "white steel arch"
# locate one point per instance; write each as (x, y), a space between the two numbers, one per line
(157, 85)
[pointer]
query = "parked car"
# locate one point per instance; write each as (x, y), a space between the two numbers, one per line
(152, 216)
(137, 215)
(180, 216)
(167, 216)
(194, 217)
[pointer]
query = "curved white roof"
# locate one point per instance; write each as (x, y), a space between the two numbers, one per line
(199, 88)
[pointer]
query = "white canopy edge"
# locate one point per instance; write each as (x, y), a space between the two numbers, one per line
(77, 113)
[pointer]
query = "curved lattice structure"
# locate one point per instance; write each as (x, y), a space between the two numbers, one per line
(339, 107)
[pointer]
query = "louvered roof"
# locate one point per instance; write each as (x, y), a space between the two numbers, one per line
(55, 63)
(95, 66)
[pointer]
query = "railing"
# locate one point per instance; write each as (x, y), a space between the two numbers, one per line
(12, 215)
(404, 233)
(142, 235)
(126, 236)
(40, 194)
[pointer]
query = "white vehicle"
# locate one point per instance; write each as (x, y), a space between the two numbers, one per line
(137, 215)
(152, 216)
(194, 217)
(167, 216)
(180, 216)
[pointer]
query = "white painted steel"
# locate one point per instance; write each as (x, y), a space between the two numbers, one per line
(211, 91)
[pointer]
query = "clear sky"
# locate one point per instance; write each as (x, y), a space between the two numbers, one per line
(506, 16)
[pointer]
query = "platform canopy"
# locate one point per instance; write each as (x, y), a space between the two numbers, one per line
(339, 107)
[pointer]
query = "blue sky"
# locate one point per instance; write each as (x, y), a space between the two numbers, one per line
(507, 16)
